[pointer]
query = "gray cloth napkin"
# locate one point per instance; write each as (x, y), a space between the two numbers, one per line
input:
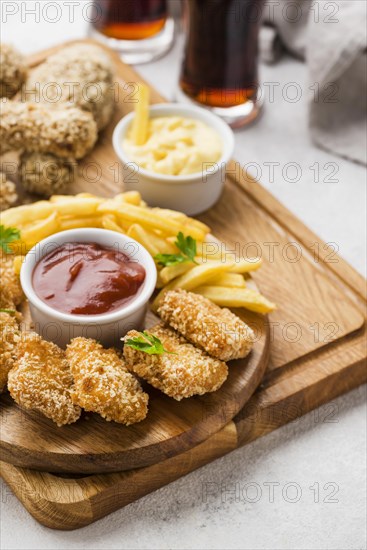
(332, 38)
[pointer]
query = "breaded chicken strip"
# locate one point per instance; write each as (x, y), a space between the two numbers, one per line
(41, 380)
(103, 384)
(184, 372)
(217, 331)
(44, 174)
(64, 132)
(8, 192)
(9, 339)
(82, 74)
(11, 293)
(13, 70)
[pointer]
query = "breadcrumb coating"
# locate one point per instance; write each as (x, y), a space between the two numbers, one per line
(11, 292)
(44, 174)
(13, 70)
(216, 330)
(8, 194)
(82, 74)
(33, 127)
(184, 372)
(103, 384)
(41, 380)
(9, 339)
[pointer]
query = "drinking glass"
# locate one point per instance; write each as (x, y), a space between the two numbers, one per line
(140, 30)
(220, 64)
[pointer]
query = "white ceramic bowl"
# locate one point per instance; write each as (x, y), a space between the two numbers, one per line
(192, 193)
(107, 328)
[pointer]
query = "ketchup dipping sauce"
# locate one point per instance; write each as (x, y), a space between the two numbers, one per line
(87, 279)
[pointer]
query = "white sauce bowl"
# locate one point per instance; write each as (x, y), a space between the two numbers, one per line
(191, 193)
(107, 328)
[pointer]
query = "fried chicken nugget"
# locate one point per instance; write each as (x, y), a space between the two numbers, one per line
(8, 193)
(216, 330)
(64, 132)
(13, 70)
(11, 293)
(9, 339)
(44, 174)
(41, 380)
(83, 75)
(184, 372)
(103, 384)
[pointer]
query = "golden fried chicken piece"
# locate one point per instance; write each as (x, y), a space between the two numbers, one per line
(44, 174)
(216, 330)
(83, 75)
(11, 293)
(41, 380)
(13, 70)
(184, 372)
(8, 193)
(9, 339)
(64, 132)
(103, 384)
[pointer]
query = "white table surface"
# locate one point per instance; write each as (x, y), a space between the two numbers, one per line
(321, 448)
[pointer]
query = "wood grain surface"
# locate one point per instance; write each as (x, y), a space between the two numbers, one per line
(317, 351)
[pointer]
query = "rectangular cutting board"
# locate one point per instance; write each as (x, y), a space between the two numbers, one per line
(318, 336)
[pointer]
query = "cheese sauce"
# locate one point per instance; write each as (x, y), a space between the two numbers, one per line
(176, 146)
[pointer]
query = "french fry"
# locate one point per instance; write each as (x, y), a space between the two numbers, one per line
(170, 272)
(182, 218)
(61, 198)
(35, 232)
(69, 222)
(161, 243)
(108, 221)
(77, 206)
(159, 283)
(17, 264)
(197, 276)
(20, 216)
(236, 297)
(208, 250)
(138, 233)
(131, 197)
(230, 280)
(245, 266)
(87, 196)
(139, 130)
(172, 214)
(147, 218)
(191, 222)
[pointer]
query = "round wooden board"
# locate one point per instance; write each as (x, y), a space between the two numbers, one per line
(92, 445)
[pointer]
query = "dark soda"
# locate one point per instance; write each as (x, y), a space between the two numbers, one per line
(129, 19)
(220, 66)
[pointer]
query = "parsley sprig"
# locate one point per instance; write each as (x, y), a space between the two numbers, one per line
(7, 236)
(148, 343)
(187, 246)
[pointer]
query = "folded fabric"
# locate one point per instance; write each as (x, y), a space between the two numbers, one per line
(332, 38)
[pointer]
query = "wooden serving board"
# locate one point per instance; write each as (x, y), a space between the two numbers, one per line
(92, 445)
(317, 344)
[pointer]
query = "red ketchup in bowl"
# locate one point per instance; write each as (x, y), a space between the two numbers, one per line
(87, 279)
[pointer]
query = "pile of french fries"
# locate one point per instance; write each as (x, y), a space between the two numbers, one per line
(212, 275)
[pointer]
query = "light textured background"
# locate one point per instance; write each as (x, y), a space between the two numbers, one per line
(324, 447)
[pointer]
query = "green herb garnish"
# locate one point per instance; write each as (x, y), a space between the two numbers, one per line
(148, 343)
(8, 311)
(7, 236)
(187, 246)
